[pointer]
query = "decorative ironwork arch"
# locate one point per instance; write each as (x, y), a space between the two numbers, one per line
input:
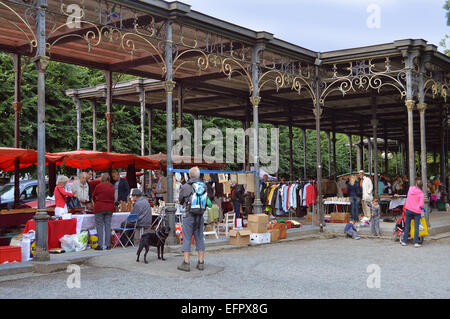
(362, 75)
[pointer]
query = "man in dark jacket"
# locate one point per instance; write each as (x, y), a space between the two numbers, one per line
(122, 189)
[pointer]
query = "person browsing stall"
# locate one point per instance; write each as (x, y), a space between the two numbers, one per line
(121, 188)
(103, 198)
(81, 189)
(61, 196)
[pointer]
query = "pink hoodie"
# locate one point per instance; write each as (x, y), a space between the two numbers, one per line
(414, 201)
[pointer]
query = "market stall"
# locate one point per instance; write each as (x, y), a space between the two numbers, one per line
(56, 230)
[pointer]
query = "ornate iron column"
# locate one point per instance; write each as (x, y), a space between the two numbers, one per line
(374, 123)
(333, 171)
(358, 157)
(410, 103)
(361, 140)
(141, 92)
(386, 149)
(180, 105)
(350, 147)
(77, 103)
(317, 114)
(149, 120)
(443, 150)
(369, 155)
(255, 99)
(329, 154)
(304, 153)
(17, 106)
(291, 159)
(41, 62)
(169, 86)
(109, 113)
(94, 124)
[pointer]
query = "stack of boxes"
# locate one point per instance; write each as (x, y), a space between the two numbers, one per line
(257, 224)
(259, 231)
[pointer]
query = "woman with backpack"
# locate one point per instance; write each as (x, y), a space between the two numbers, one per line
(354, 191)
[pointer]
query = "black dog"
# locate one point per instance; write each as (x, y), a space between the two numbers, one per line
(157, 239)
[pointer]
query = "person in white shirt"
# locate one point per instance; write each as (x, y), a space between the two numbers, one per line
(367, 193)
(80, 188)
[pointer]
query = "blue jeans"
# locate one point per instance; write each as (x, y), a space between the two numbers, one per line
(408, 217)
(237, 208)
(355, 207)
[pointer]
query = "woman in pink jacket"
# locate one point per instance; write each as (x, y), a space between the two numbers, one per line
(414, 205)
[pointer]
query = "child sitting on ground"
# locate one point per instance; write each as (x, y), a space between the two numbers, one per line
(375, 217)
(350, 230)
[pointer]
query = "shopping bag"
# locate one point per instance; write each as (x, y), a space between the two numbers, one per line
(67, 243)
(80, 241)
(423, 228)
(93, 238)
(28, 245)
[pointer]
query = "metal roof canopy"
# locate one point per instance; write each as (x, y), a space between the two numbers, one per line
(212, 61)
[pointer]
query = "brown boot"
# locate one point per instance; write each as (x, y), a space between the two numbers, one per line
(184, 266)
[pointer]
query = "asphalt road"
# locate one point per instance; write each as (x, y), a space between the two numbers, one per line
(325, 268)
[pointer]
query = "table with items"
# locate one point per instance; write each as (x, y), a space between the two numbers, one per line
(337, 204)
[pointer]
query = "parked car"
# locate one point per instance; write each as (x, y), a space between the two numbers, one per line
(27, 191)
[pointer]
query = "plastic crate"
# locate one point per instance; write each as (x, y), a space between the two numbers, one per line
(10, 254)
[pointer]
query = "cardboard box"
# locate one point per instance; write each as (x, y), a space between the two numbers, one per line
(274, 234)
(309, 218)
(257, 239)
(257, 223)
(340, 217)
(240, 236)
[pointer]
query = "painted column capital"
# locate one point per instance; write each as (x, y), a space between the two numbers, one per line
(255, 100)
(315, 112)
(374, 123)
(17, 106)
(109, 116)
(410, 104)
(169, 85)
(421, 107)
(41, 63)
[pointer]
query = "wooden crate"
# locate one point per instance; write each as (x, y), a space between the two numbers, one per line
(340, 217)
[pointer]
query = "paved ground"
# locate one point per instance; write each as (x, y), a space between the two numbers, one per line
(324, 268)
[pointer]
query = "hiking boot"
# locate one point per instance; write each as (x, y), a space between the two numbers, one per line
(417, 245)
(201, 265)
(184, 266)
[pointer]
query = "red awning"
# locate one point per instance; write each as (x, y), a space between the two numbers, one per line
(26, 157)
(83, 159)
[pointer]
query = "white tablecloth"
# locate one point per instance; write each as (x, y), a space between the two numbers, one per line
(87, 221)
(336, 203)
(394, 203)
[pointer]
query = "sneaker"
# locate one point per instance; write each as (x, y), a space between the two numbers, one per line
(98, 248)
(201, 266)
(357, 238)
(417, 245)
(402, 243)
(184, 266)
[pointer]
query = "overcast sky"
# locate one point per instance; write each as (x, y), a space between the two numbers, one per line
(324, 25)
